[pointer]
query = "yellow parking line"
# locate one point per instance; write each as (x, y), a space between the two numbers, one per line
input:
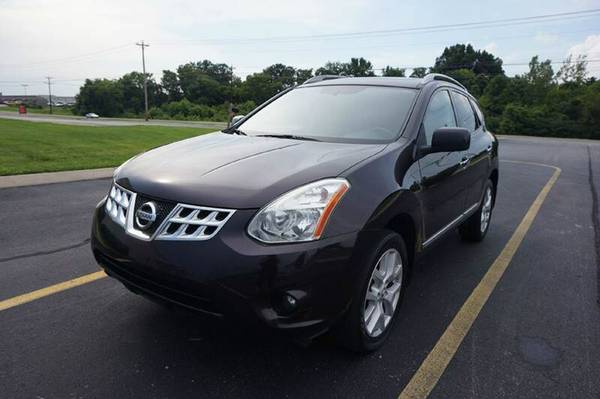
(427, 376)
(53, 289)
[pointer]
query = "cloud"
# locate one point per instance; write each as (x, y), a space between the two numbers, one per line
(590, 47)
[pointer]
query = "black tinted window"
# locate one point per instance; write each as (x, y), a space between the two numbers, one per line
(464, 112)
(479, 113)
(439, 114)
(338, 113)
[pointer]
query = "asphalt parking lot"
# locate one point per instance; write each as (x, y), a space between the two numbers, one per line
(538, 335)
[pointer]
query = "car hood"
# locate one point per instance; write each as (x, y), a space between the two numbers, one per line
(232, 171)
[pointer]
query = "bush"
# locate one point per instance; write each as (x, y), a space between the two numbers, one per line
(538, 121)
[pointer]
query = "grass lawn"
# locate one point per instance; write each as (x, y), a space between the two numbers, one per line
(29, 147)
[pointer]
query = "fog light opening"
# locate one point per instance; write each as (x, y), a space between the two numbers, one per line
(286, 304)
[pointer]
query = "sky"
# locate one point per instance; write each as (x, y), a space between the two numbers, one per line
(74, 40)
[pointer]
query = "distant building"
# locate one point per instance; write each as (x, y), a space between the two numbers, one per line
(37, 100)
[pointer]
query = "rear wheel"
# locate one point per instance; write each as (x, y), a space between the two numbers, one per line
(476, 227)
(378, 296)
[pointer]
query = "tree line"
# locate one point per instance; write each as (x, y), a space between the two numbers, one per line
(541, 101)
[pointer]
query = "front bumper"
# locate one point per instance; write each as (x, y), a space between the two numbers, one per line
(234, 276)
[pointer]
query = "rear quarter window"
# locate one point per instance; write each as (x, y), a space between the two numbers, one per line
(478, 112)
(464, 112)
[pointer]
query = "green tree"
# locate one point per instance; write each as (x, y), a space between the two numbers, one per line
(461, 56)
(590, 101)
(418, 72)
(204, 82)
(391, 71)
(170, 84)
(332, 68)
(573, 71)
(540, 73)
(101, 96)
(222, 73)
(259, 87)
(356, 67)
(359, 67)
(132, 88)
(282, 76)
(302, 75)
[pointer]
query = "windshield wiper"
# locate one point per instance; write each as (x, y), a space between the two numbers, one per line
(234, 131)
(288, 136)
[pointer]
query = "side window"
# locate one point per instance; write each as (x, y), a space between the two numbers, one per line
(464, 112)
(439, 114)
(478, 112)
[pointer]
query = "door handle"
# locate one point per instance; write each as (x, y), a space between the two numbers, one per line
(489, 148)
(464, 161)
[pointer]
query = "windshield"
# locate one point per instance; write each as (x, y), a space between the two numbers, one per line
(368, 114)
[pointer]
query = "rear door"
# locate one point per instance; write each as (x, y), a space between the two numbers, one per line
(477, 157)
(443, 184)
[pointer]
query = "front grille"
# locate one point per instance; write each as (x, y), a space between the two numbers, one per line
(163, 209)
(172, 221)
(190, 222)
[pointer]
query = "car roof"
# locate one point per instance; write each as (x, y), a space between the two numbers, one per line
(413, 83)
(372, 80)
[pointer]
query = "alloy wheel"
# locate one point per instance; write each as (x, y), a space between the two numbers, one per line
(486, 210)
(383, 293)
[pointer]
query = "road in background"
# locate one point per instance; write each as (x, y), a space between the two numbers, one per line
(537, 336)
(79, 120)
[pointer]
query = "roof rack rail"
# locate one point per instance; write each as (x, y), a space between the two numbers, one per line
(438, 76)
(320, 78)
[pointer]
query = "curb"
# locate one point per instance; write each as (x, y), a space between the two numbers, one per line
(35, 179)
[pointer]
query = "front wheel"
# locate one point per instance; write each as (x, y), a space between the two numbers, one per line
(476, 227)
(378, 295)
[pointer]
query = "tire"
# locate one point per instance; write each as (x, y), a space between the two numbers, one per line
(476, 227)
(355, 332)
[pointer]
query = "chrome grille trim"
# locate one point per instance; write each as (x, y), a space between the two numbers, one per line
(193, 223)
(184, 223)
(118, 203)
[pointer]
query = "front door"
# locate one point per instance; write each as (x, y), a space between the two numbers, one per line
(443, 191)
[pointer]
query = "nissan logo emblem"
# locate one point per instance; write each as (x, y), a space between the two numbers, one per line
(145, 215)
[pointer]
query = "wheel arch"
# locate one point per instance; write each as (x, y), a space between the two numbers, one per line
(400, 212)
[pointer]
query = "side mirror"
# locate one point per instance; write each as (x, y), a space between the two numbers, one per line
(448, 139)
(236, 119)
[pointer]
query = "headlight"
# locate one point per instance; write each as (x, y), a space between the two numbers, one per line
(299, 215)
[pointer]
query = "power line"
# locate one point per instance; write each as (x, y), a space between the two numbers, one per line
(421, 29)
(143, 45)
(393, 44)
(454, 66)
(70, 58)
(348, 35)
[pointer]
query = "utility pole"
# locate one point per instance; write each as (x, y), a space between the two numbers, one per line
(25, 88)
(49, 92)
(230, 107)
(143, 45)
